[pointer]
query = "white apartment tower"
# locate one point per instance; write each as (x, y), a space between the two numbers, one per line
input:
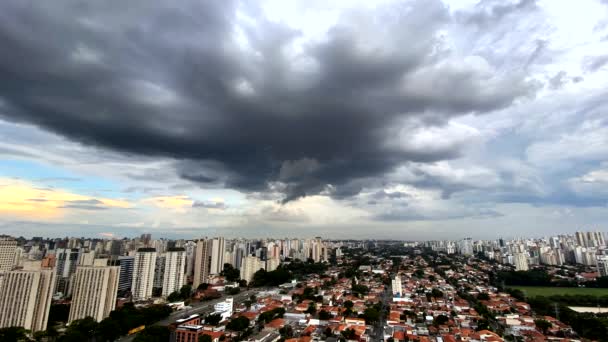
(249, 266)
(521, 261)
(94, 291)
(8, 248)
(218, 247)
(143, 273)
(202, 262)
(25, 296)
(396, 286)
(175, 264)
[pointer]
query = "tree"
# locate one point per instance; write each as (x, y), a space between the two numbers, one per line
(324, 315)
(312, 308)
(436, 293)
(348, 304)
(213, 319)
(185, 292)
(349, 334)
(371, 315)
(483, 296)
(205, 338)
(202, 286)
(286, 331)
(231, 273)
(543, 325)
(13, 334)
(441, 320)
(174, 297)
(155, 333)
(238, 324)
(108, 330)
(83, 327)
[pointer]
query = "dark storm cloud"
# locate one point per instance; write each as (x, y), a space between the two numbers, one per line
(171, 79)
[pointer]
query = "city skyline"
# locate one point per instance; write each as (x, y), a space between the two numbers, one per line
(379, 119)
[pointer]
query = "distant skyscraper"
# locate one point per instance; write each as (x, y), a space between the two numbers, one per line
(125, 281)
(521, 262)
(143, 273)
(175, 263)
(94, 291)
(202, 262)
(145, 239)
(8, 247)
(217, 255)
(466, 246)
(25, 297)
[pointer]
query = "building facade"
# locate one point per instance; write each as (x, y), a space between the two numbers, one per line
(143, 273)
(25, 297)
(94, 291)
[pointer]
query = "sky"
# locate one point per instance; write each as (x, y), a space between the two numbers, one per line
(410, 119)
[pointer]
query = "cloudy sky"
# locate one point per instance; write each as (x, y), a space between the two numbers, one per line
(410, 119)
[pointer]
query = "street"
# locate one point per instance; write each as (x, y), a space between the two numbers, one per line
(201, 308)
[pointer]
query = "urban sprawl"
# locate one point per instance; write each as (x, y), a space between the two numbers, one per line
(216, 289)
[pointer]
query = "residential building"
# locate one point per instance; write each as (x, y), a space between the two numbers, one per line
(125, 279)
(94, 290)
(174, 276)
(202, 262)
(8, 247)
(143, 273)
(25, 296)
(249, 266)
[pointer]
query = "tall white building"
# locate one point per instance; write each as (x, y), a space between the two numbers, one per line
(202, 262)
(25, 296)
(272, 264)
(175, 264)
(8, 248)
(249, 266)
(602, 265)
(520, 260)
(94, 291)
(466, 246)
(218, 247)
(143, 273)
(396, 286)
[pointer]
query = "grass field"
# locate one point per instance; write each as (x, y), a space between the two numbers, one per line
(534, 291)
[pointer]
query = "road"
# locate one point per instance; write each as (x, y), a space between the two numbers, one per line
(378, 330)
(201, 308)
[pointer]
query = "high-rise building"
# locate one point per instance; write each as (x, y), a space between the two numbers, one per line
(159, 273)
(466, 246)
(602, 265)
(218, 247)
(521, 261)
(272, 264)
(202, 262)
(66, 261)
(8, 248)
(396, 286)
(249, 266)
(25, 297)
(175, 264)
(125, 279)
(143, 273)
(94, 291)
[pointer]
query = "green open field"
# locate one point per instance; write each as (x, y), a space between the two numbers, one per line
(534, 291)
